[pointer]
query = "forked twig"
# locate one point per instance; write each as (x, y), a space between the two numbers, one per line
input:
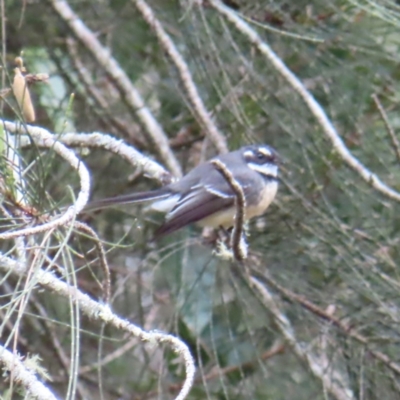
(334, 321)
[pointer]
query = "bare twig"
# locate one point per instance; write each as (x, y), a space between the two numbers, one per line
(150, 167)
(345, 328)
(100, 103)
(315, 108)
(239, 246)
(57, 345)
(324, 375)
(103, 313)
(277, 348)
(119, 352)
(129, 92)
(191, 91)
(23, 376)
(389, 128)
(102, 258)
(43, 136)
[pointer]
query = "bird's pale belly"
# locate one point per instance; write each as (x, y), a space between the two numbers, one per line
(225, 218)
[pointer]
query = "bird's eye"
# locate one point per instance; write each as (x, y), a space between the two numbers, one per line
(260, 156)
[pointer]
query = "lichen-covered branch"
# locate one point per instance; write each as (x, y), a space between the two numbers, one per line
(12, 364)
(150, 168)
(103, 313)
(47, 140)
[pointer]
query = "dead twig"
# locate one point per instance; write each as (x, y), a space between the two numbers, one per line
(389, 128)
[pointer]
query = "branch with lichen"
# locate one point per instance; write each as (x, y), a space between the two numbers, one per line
(43, 136)
(100, 312)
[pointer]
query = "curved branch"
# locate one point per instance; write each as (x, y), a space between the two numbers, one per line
(43, 136)
(101, 312)
(96, 139)
(318, 112)
(129, 92)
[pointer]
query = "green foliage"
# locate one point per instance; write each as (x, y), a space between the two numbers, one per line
(329, 237)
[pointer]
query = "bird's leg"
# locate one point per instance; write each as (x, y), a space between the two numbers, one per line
(209, 236)
(212, 236)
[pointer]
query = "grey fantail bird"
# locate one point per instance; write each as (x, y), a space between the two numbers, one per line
(203, 196)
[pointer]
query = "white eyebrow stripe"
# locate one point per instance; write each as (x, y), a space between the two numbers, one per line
(248, 153)
(265, 151)
(265, 169)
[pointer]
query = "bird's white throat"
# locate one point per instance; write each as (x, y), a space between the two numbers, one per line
(270, 170)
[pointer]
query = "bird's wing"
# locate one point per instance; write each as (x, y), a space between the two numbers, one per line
(200, 202)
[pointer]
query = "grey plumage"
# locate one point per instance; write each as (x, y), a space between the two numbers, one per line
(203, 196)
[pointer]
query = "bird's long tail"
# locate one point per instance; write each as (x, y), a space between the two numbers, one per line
(139, 197)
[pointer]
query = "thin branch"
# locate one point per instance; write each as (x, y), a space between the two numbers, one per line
(43, 136)
(57, 345)
(200, 110)
(150, 167)
(119, 352)
(23, 376)
(315, 108)
(324, 375)
(100, 102)
(103, 313)
(389, 128)
(345, 328)
(84, 228)
(277, 348)
(128, 91)
(239, 246)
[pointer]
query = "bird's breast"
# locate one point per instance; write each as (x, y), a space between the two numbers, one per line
(222, 218)
(226, 217)
(264, 200)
